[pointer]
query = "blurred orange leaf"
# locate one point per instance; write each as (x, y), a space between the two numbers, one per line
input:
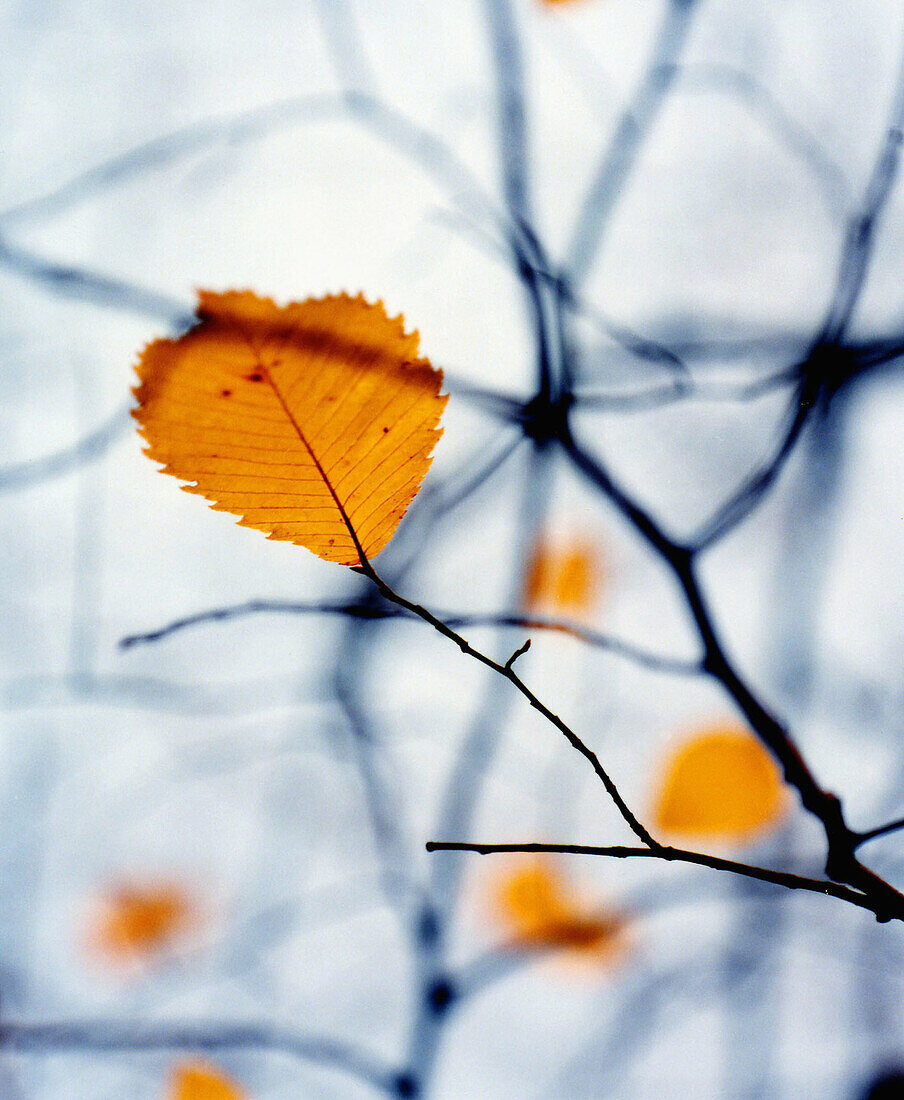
(720, 784)
(563, 577)
(304, 420)
(199, 1081)
(537, 909)
(137, 923)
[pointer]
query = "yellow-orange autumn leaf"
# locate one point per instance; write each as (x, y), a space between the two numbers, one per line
(137, 923)
(720, 784)
(563, 577)
(310, 421)
(533, 903)
(200, 1081)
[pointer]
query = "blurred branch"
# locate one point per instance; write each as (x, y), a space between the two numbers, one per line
(828, 365)
(465, 782)
(499, 405)
(389, 126)
(624, 147)
(682, 389)
(640, 346)
(254, 696)
(444, 496)
(22, 475)
(526, 250)
(71, 281)
(746, 498)
(745, 88)
(856, 249)
(659, 997)
(119, 1036)
(796, 138)
(362, 610)
(382, 792)
(344, 43)
(629, 339)
(508, 68)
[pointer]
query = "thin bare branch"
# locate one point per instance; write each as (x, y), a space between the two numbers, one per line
(841, 863)
(881, 830)
(674, 855)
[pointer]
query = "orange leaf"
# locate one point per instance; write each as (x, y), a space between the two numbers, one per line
(138, 922)
(199, 1081)
(532, 901)
(309, 421)
(721, 784)
(563, 577)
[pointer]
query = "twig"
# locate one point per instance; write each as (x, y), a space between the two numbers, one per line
(674, 855)
(466, 778)
(509, 673)
(881, 830)
(841, 841)
(519, 652)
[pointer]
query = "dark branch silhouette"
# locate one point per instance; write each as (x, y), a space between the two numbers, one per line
(677, 855)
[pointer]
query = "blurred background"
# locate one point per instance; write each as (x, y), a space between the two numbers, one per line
(213, 876)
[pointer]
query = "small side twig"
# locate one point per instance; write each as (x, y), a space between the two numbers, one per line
(880, 830)
(519, 652)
